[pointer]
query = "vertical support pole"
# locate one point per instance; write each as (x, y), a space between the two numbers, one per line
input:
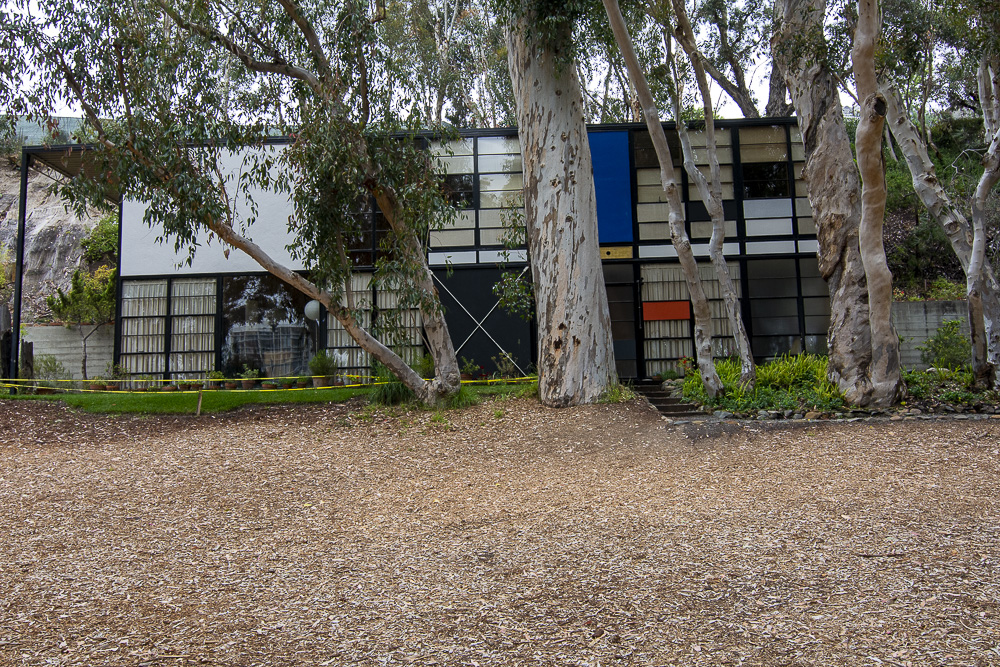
(22, 211)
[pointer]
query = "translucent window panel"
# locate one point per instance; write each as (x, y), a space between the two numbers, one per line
(502, 199)
(725, 177)
(723, 153)
(453, 237)
(500, 163)
(724, 347)
(807, 226)
(769, 227)
(798, 151)
(501, 182)
(817, 315)
(338, 340)
(491, 236)
(654, 231)
(195, 296)
(454, 147)
(191, 365)
(765, 179)
(801, 190)
(816, 344)
(144, 298)
(496, 218)
(802, 207)
(143, 364)
(652, 212)
(764, 134)
(750, 153)
(722, 138)
(499, 145)
(773, 277)
(652, 177)
(703, 229)
(767, 208)
(650, 193)
(457, 164)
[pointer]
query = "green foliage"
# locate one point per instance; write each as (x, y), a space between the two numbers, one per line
(470, 367)
(942, 289)
(923, 256)
(506, 365)
(51, 372)
(388, 390)
(788, 383)
(249, 373)
(425, 366)
(948, 348)
(90, 300)
(324, 364)
(466, 397)
(101, 244)
(617, 393)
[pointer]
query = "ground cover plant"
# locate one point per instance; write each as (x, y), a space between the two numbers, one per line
(790, 382)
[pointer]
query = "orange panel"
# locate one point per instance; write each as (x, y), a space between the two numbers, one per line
(666, 310)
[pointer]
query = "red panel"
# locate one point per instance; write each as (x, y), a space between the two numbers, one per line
(666, 310)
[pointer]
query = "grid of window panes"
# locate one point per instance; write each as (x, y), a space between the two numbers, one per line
(457, 165)
(501, 188)
(789, 306)
(192, 327)
(400, 329)
(143, 326)
(651, 201)
(666, 342)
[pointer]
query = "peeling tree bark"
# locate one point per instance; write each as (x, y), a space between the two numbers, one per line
(702, 314)
(884, 371)
(576, 361)
(711, 193)
(939, 204)
(834, 192)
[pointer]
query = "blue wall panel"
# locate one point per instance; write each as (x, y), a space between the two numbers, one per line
(613, 181)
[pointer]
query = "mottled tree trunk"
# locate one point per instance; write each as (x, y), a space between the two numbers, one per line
(675, 216)
(575, 352)
(985, 323)
(884, 372)
(711, 193)
(834, 193)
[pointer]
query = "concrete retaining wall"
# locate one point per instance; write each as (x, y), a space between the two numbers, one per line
(917, 321)
(66, 345)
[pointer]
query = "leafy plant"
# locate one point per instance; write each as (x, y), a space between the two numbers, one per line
(942, 289)
(324, 364)
(101, 244)
(216, 375)
(50, 371)
(790, 382)
(249, 373)
(465, 398)
(470, 367)
(948, 348)
(388, 390)
(90, 301)
(506, 365)
(617, 393)
(425, 366)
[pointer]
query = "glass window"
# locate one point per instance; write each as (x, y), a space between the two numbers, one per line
(765, 179)
(265, 327)
(144, 326)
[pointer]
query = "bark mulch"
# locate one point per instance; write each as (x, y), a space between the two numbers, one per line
(504, 534)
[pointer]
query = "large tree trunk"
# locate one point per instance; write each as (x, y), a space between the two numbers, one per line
(989, 97)
(678, 236)
(985, 325)
(834, 193)
(884, 372)
(575, 352)
(711, 193)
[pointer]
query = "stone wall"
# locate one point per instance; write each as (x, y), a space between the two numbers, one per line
(917, 321)
(66, 345)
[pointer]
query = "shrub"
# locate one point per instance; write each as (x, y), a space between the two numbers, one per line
(324, 364)
(388, 389)
(790, 382)
(948, 348)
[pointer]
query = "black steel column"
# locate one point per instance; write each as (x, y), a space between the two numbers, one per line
(22, 210)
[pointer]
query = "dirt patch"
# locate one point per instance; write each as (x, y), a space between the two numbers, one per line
(505, 534)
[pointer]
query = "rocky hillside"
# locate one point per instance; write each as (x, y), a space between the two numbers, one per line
(52, 242)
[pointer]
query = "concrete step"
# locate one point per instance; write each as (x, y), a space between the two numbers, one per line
(666, 403)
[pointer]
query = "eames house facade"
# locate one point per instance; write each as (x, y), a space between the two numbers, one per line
(222, 311)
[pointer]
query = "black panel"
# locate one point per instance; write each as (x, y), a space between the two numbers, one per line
(471, 290)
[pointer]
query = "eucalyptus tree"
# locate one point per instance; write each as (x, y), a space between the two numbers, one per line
(710, 188)
(675, 217)
(954, 63)
(575, 350)
(810, 68)
(190, 84)
(884, 373)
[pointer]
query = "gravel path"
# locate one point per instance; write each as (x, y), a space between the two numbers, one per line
(505, 534)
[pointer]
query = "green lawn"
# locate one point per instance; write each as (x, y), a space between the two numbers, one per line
(187, 402)
(219, 400)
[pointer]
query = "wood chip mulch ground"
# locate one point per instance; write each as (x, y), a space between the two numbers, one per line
(504, 534)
